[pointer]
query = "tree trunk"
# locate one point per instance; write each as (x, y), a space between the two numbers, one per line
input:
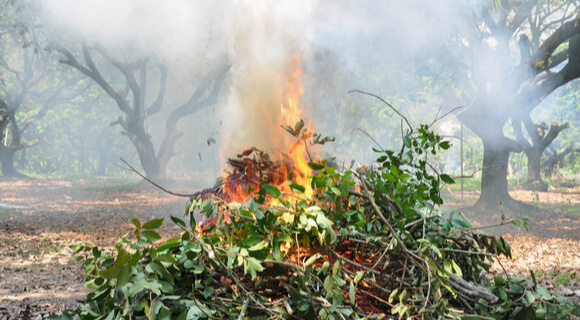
(494, 186)
(7, 162)
(146, 152)
(534, 179)
(534, 165)
(103, 150)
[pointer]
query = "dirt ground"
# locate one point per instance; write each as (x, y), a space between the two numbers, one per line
(40, 218)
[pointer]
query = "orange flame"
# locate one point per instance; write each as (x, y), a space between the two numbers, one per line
(295, 161)
(291, 114)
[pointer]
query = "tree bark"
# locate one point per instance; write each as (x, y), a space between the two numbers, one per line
(7, 162)
(494, 184)
(534, 160)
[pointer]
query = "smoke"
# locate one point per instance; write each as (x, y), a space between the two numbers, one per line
(345, 45)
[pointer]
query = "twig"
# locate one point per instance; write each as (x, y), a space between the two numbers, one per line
(287, 306)
(445, 115)
(469, 252)
(383, 101)
(370, 137)
(244, 308)
(155, 184)
(533, 275)
(470, 289)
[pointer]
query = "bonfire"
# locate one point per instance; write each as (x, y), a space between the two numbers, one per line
(285, 235)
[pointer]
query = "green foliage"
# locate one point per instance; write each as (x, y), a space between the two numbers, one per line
(367, 242)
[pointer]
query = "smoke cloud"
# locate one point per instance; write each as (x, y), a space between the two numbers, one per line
(345, 45)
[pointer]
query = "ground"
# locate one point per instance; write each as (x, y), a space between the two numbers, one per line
(38, 275)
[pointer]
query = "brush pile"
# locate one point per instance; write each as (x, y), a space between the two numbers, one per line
(366, 244)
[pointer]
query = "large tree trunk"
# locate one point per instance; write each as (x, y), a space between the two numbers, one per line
(534, 179)
(7, 162)
(534, 165)
(103, 150)
(494, 185)
(146, 151)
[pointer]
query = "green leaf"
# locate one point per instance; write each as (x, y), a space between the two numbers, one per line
(167, 246)
(447, 179)
(394, 171)
(315, 166)
(252, 240)
(253, 266)
(153, 224)
(358, 276)
(502, 294)
(326, 139)
(297, 188)
(195, 313)
(110, 273)
(530, 298)
(323, 221)
(543, 294)
(351, 293)
(285, 237)
(123, 277)
(457, 269)
(461, 222)
(135, 257)
(311, 260)
(208, 292)
(289, 130)
(142, 284)
(298, 127)
(499, 281)
(335, 190)
(151, 236)
(445, 145)
(110, 316)
(122, 258)
(393, 295)
(407, 141)
(137, 223)
(258, 246)
(272, 190)
(178, 221)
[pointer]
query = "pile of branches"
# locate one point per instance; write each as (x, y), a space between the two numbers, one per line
(368, 244)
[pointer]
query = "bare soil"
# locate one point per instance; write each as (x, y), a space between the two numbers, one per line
(39, 219)
(38, 274)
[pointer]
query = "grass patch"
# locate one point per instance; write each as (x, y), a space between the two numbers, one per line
(469, 184)
(565, 278)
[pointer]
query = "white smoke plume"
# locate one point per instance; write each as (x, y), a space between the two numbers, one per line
(365, 39)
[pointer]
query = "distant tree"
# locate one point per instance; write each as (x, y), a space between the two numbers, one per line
(541, 136)
(127, 83)
(28, 87)
(503, 90)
